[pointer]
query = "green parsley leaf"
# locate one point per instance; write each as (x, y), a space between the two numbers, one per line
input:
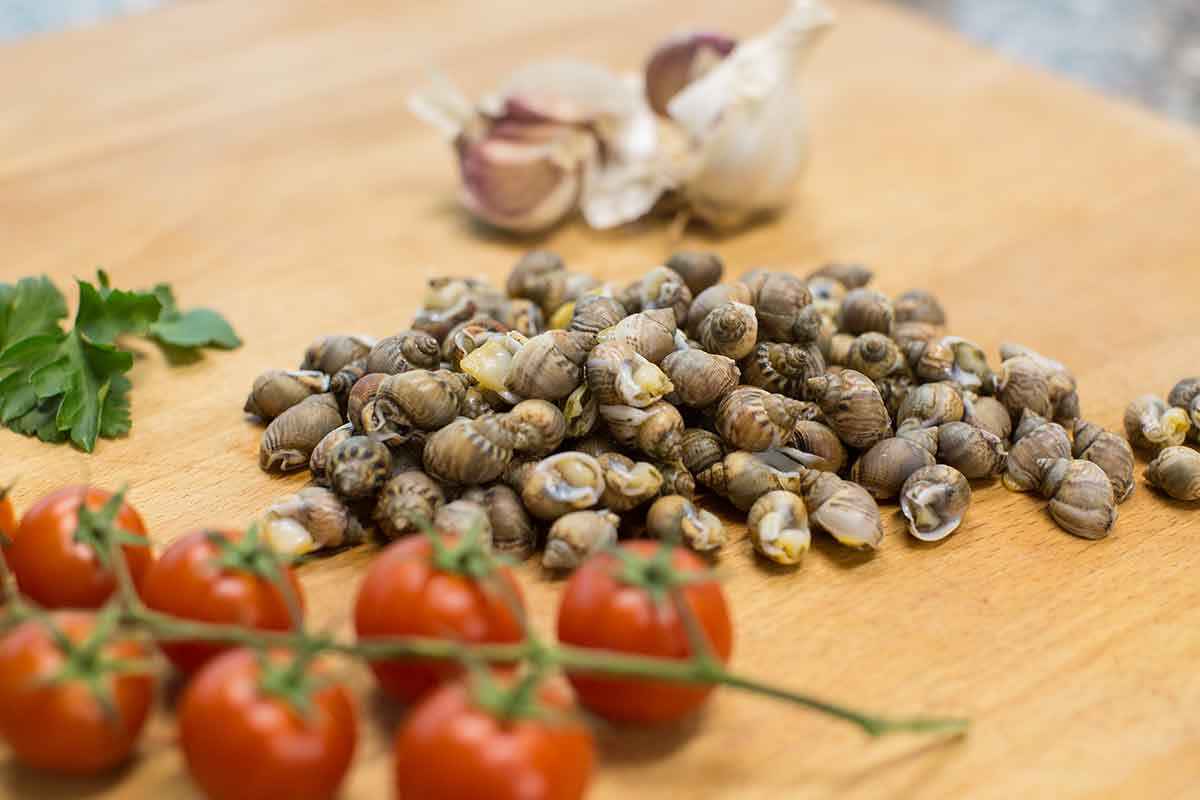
(104, 313)
(30, 308)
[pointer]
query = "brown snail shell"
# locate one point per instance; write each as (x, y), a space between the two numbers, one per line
(781, 303)
(655, 430)
(318, 462)
(852, 406)
(894, 389)
(852, 276)
(577, 535)
(713, 298)
(595, 445)
(778, 524)
(523, 316)
(537, 426)
(675, 518)
(513, 533)
(465, 519)
(439, 322)
(344, 379)
(876, 356)
(1080, 495)
(277, 390)
(628, 483)
(971, 370)
(581, 411)
(1022, 384)
(1186, 395)
(651, 333)
(1152, 425)
(972, 451)
(289, 440)
(1036, 438)
(329, 354)
(619, 376)
(843, 509)
(918, 305)
(421, 399)
(676, 479)
(730, 330)
(987, 413)
(934, 500)
(490, 363)
(595, 312)
(783, 368)
(562, 483)
(528, 276)
(865, 310)
(449, 291)
(818, 439)
(360, 403)
(550, 365)
(467, 337)
(827, 295)
(700, 449)
(907, 334)
(475, 403)
(840, 345)
(358, 467)
(884, 468)
(1176, 471)
(517, 472)
(931, 361)
(749, 418)
(1109, 452)
(699, 269)
(470, 451)
(312, 519)
(405, 500)
(698, 378)
(742, 477)
(931, 404)
(663, 287)
(409, 349)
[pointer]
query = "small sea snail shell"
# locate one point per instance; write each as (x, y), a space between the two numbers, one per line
(1152, 425)
(742, 477)
(527, 277)
(818, 439)
(406, 499)
(537, 426)
(1176, 471)
(464, 518)
(289, 440)
(277, 390)
(852, 276)
(575, 536)
(852, 406)
(843, 509)
(876, 356)
(655, 430)
(595, 312)
(523, 316)
(581, 411)
(1036, 438)
(675, 518)
(712, 298)
(663, 287)
(778, 523)
(318, 462)
(931, 361)
(865, 310)
(1022, 384)
(513, 533)
(311, 519)
(699, 378)
(782, 304)
(676, 479)
(360, 403)
(628, 483)
(749, 418)
(700, 449)
(1186, 395)
(894, 389)
(358, 467)
(884, 468)
(730, 330)
(987, 413)
(934, 501)
(827, 295)
(1080, 495)
(783, 367)
(971, 370)
(699, 269)
(619, 376)
(329, 354)
(562, 483)
(840, 345)
(470, 451)
(409, 349)
(931, 404)
(344, 379)
(550, 365)
(422, 399)
(468, 337)
(972, 451)
(651, 333)
(490, 364)
(907, 334)
(1109, 452)
(918, 305)
(475, 403)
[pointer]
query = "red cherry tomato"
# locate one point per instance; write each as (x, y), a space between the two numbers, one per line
(406, 594)
(197, 579)
(62, 726)
(450, 748)
(8, 520)
(55, 566)
(599, 610)
(244, 742)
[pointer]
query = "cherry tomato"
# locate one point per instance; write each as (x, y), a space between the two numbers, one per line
(55, 560)
(242, 741)
(215, 576)
(450, 748)
(8, 520)
(405, 594)
(601, 610)
(62, 726)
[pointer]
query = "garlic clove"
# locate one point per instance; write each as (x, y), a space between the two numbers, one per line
(680, 60)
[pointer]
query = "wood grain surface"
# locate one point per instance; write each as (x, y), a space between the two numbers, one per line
(260, 156)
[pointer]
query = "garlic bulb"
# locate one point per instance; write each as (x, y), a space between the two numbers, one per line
(747, 123)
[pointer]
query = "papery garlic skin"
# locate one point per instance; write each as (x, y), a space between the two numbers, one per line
(747, 123)
(680, 60)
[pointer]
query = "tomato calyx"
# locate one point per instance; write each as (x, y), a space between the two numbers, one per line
(99, 532)
(247, 555)
(291, 682)
(468, 556)
(510, 703)
(656, 575)
(86, 662)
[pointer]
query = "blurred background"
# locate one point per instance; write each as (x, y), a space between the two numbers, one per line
(1147, 51)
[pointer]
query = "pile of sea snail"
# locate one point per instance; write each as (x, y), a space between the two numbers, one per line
(561, 412)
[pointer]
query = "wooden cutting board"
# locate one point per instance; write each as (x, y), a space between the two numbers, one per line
(260, 157)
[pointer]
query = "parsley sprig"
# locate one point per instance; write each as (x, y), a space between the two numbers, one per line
(61, 384)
